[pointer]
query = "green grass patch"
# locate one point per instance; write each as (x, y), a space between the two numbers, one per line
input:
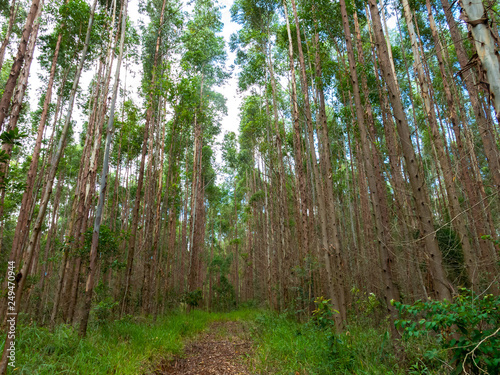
(284, 346)
(126, 346)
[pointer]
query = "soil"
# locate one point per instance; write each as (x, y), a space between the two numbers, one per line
(221, 350)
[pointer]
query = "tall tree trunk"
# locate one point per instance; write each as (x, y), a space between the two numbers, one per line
(103, 184)
(485, 129)
(22, 221)
(485, 42)
(18, 60)
(298, 154)
(48, 190)
(140, 178)
(12, 18)
(372, 166)
(336, 279)
(18, 101)
(413, 165)
(454, 205)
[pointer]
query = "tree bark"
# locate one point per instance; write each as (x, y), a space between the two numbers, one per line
(413, 164)
(12, 18)
(18, 61)
(103, 184)
(485, 129)
(140, 178)
(48, 188)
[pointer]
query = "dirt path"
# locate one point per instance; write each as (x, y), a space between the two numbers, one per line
(218, 351)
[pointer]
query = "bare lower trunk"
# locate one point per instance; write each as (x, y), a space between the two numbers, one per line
(48, 189)
(413, 164)
(103, 184)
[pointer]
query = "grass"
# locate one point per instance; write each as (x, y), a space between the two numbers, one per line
(122, 347)
(284, 346)
(281, 345)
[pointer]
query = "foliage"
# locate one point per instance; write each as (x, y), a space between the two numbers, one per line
(453, 256)
(488, 237)
(224, 291)
(107, 243)
(193, 298)
(75, 14)
(468, 328)
(324, 312)
(365, 303)
(12, 137)
(102, 311)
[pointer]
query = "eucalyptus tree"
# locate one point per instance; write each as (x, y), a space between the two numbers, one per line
(203, 59)
(73, 37)
(73, 257)
(256, 56)
(18, 61)
(150, 89)
(486, 43)
(230, 158)
(48, 188)
(413, 163)
(372, 166)
(12, 12)
(443, 159)
(22, 226)
(12, 135)
(468, 60)
(103, 183)
(253, 145)
(165, 27)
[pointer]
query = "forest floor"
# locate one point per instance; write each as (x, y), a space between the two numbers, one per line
(220, 350)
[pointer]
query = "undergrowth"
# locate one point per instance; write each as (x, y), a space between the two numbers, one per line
(281, 344)
(126, 346)
(284, 346)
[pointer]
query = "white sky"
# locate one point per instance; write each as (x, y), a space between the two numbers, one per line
(229, 90)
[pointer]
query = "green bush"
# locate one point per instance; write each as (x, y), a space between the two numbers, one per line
(193, 298)
(324, 312)
(467, 328)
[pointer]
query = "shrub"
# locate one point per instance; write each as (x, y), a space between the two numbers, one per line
(193, 298)
(468, 328)
(324, 312)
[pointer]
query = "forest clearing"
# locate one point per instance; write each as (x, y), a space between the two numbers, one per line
(249, 187)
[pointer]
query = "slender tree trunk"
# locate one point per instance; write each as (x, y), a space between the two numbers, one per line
(18, 100)
(484, 126)
(48, 245)
(413, 164)
(140, 178)
(103, 184)
(18, 61)
(12, 18)
(337, 294)
(372, 167)
(27, 201)
(484, 40)
(47, 191)
(454, 205)
(297, 142)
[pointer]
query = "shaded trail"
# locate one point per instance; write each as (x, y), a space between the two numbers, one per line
(218, 351)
